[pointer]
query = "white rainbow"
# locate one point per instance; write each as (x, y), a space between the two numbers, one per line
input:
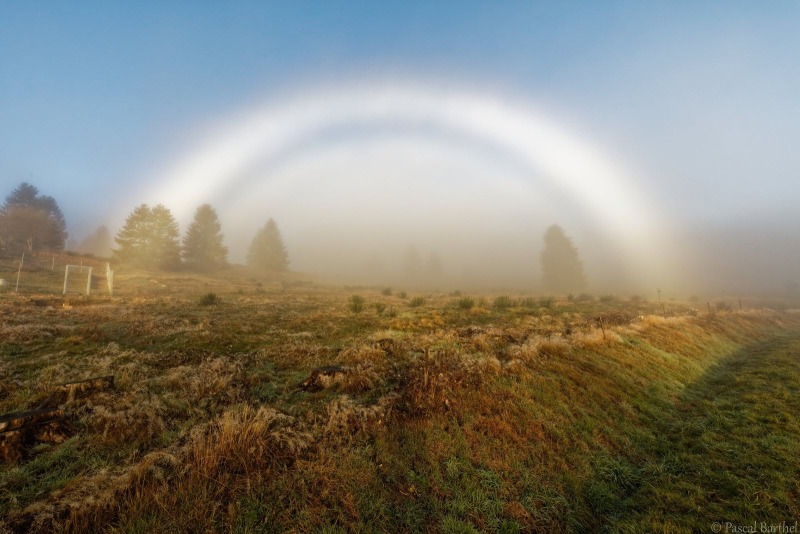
(599, 185)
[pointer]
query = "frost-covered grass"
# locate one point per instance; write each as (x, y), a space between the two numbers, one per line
(537, 414)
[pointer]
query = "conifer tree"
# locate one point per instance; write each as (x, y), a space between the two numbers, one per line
(203, 249)
(135, 238)
(149, 239)
(562, 270)
(166, 235)
(267, 251)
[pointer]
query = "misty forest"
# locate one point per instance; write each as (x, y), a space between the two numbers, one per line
(399, 267)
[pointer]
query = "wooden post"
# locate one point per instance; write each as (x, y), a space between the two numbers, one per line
(78, 390)
(18, 420)
(740, 304)
(19, 271)
(66, 278)
(89, 281)
(110, 279)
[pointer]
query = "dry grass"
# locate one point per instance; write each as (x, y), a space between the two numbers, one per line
(443, 418)
(245, 440)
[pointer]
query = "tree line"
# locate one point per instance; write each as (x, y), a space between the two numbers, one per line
(150, 239)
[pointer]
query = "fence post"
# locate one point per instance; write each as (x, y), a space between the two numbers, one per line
(21, 261)
(110, 279)
(66, 277)
(89, 282)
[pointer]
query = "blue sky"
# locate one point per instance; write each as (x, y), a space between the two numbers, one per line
(701, 96)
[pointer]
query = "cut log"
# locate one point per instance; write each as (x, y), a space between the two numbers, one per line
(78, 390)
(20, 420)
(19, 431)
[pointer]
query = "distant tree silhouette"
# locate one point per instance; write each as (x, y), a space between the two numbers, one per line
(434, 268)
(267, 251)
(29, 221)
(562, 270)
(99, 243)
(203, 249)
(149, 239)
(411, 263)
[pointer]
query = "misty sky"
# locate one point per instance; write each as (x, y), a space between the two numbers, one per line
(698, 99)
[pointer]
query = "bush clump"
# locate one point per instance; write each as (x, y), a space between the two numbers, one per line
(356, 303)
(210, 299)
(416, 302)
(503, 302)
(466, 303)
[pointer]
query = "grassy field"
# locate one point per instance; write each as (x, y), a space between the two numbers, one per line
(447, 412)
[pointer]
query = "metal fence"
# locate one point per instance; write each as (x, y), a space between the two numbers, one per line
(49, 273)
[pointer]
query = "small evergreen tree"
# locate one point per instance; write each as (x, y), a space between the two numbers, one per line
(267, 251)
(166, 237)
(562, 270)
(434, 268)
(203, 249)
(134, 238)
(29, 221)
(411, 263)
(149, 239)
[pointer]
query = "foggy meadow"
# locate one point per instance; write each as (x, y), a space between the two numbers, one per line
(399, 268)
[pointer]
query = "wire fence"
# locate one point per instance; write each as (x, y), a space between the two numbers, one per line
(55, 273)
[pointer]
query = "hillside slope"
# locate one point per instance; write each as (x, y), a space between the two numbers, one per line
(524, 415)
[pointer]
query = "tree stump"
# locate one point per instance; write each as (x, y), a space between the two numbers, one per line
(18, 430)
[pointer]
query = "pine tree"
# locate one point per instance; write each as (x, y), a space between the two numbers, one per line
(267, 251)
(166, 237)
(29, 221)
(149, 239)
(434, 268)
(134, 238)
(562, 270)
(203, 249)
(411, 263)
